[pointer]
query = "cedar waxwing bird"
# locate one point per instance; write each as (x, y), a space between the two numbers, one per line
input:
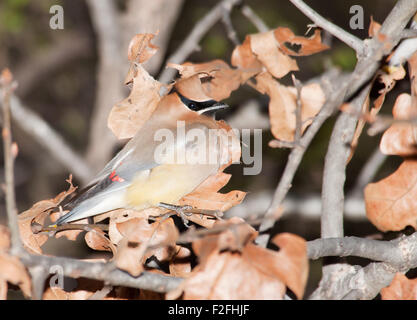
(151, 171)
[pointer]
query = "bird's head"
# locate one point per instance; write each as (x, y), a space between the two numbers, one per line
(192, 95)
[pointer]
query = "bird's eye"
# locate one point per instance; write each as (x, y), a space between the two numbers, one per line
(192, 106)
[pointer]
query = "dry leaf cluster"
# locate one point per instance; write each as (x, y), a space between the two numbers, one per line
(223, 261)
(219, 259)
(390, 202)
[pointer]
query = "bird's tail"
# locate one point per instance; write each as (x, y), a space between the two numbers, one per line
(93, 206)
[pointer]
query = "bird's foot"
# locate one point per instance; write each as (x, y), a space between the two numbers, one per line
(182, 211)
(186, 211)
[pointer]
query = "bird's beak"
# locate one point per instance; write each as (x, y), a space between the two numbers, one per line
(215, 107)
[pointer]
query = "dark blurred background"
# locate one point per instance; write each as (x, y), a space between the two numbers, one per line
(58, 72)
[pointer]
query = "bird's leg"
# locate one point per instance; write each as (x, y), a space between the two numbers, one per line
(186, 211)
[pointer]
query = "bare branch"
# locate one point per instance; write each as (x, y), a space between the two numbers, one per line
(7, 84)
(102, 271)
(48, 138)
(323, 23)
(37, 67)
(298, 109)
(377, 250)
(334, 174)
(254, 18)
(109, 79)
(368, 172)
(307, 206)
(354, 282)
(227, 22)
(297, 154)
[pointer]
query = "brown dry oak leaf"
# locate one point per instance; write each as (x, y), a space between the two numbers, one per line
(141, 48)
(272, 50)
(252, 273)
(233, 235)
(56, 293)
(208, 197)
(266, 48)
(389, 80)
(283, 104)
(180, 264)
(299, 46)
(220, 79)
(38, 213)
(4, 238)
(401, 288)
(142, 239)
(13, 271)
(122, 215)
(96, 239)
(227, 276)
(391, 203)
(373, 27)
(129, 115)
(244, 58)
(401, 138)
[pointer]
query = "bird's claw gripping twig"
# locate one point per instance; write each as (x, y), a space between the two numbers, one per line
(186, 211)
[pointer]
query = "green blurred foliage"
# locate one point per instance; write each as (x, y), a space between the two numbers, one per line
(12, 16)
(215, 45)
(344, 57)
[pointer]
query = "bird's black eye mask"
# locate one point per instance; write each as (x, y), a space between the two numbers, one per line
(200, 106)
(196, 105)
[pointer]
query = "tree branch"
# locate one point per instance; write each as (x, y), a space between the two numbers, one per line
(254, 18)
(102, 271)
(48, 138)
(352, 41)
(377, 250)
(334, 98)
(334, 174)
(363, 72)
(7, 84)
(109, 79)
(368, 172)
(354, 282)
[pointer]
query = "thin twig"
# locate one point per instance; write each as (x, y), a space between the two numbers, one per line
(37, 228)
(6, 82)
(227, 22)
(102, 293)
(254, 18)
(298, 120)
(296, 155)
(36, 69)
(368, 172)
(323, 23)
